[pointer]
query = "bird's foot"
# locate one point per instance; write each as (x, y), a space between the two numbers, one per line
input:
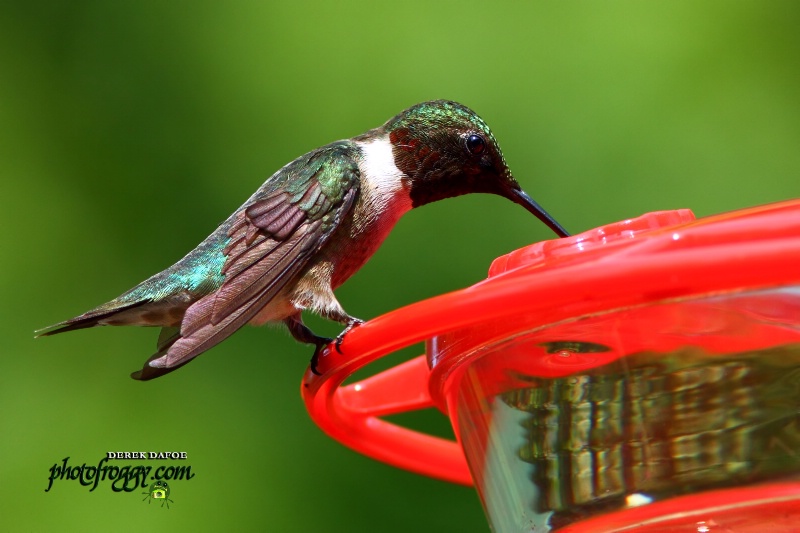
(320, 342)
(350, 325)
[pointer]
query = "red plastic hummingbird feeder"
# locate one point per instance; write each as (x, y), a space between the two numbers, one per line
(645, 374)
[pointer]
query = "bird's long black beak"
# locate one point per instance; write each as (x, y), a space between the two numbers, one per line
(521, 197)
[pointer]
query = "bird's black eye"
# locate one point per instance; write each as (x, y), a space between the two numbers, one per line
(475, 144)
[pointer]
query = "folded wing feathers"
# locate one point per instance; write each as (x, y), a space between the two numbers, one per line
(205, 324)
(270, 244)
(267, 264)
(280, 228)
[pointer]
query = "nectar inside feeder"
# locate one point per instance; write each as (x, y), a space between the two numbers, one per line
(641, 374)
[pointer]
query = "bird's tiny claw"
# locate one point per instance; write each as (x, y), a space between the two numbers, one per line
(321, 343)
(350, 325)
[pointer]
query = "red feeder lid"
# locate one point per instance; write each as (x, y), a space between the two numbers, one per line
(656, 257)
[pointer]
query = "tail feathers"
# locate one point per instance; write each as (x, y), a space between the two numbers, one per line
(98, 316)
(180, 345)
(166, 339)
(198, 333)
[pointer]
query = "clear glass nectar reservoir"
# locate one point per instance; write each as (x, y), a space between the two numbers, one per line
(634, 407)
(640, 376)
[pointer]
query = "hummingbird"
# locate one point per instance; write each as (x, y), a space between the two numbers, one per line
(306, 230)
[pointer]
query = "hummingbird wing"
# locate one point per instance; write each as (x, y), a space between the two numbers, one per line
(272, 239)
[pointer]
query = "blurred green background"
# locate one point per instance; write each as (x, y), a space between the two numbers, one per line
(130, 129)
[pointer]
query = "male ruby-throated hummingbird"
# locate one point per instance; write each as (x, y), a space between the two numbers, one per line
(306, 230)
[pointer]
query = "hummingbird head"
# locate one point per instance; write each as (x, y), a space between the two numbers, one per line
(445, 149)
